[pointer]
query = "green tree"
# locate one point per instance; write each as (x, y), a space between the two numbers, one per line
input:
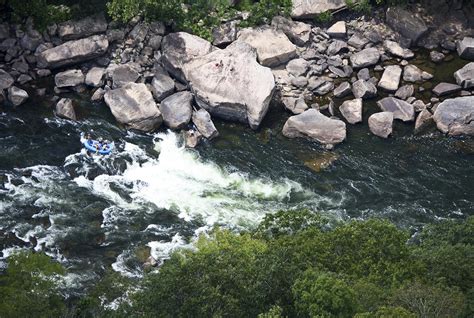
(29, 287)
(387, 312)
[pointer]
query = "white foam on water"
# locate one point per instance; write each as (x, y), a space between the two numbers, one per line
(161, 250)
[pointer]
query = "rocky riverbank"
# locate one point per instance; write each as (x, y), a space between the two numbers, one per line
(149, 77)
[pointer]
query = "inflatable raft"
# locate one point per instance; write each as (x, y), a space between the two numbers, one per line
(96, 147)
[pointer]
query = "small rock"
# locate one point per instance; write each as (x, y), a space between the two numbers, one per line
(466, 48)
(365, 58)
(123, 74)
(436, 57)
(424, 120)
(6, 80)
(443, 89)
(98, 95)
(418, 105)
(17, 96)
(295, 105)
(204, 124)
(69, 78)
(395, 49)
(391, 78)
(336, 47)
(465, 76)
(65, 109)
(337, 30)
(380, 124)
(95, 77)
(364, 89)
(297, 67)
(405, 91)
(400, 109)
(357, 41)
(192, 138)
(342, 90)
(363, 74)
(352, 110)
(324, 89)
(411, 73)
(299, 81)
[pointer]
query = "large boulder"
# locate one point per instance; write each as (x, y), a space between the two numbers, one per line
(391, 78)
(180, 48)
(380, 124)
(365, 58)
(456, 116)
(314, 125)
(466, 48)
(352, 110)
(73, 52)
(71, 30)
(400, 109)
(95, 77)
(6, 80)
(406, 23)
(443, 89)
(202, 121)
(465, 76)
(133, 106)
(273, 47)
(123, 74)
(231, 84)
(162, 86)
(177, 109)
(311, 8)
(17, 96)
(69, 78)
(298, 32)
(65, 109)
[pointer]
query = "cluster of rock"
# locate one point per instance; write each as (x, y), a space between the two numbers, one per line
(148, 77)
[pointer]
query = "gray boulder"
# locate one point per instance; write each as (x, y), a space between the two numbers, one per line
(358, 41)
(443, 89)
(231, 84)
(364, 89)
(123, 74)
(298, 32)
(295, 105)
(133, 106)
(337, 30)
(465, 76)
(342, 90)
(202, 121)
(406, 23)
(311, 8)
(177, 109)
(314, 125)
(297, 67)
(336, 46)
(162, 86)
(17, 96)
(456, 116)
(405, 91)
(73, 52)
(225, 33)
(352, 110)
(365, 58)
(273, 47)
(395, 49)
(424, 120)
(380, 124)
(390, 78)
(180, 48)
(6, 80)
(69, 78)
(71, 30)
(31, 40)
(411, 73)
(400, 109)
(466, 48)
(95, 77)
(138, 33)
(65, 109)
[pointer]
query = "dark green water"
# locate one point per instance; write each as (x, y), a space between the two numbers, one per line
(152, 194)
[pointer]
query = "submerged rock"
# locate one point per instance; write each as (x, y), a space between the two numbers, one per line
(380, 124)
(352, 110)
(65, 109)
(231, 84)
(314, 125)
(456, 116)
(133, 106)
(177, 109)
(400, 109)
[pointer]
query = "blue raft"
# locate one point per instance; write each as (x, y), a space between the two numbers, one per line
(96, 147)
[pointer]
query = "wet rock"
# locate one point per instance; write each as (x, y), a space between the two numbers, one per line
(405, 91)
(395, 49)
(123, 74)
(192, 138)
(222, 80)
(342, 90)
(297, 67)
(358, 41)
(71, 30)
(98, 95)
(311, 8)
(6, 80)
(298, 32)
(295, 105)
(337, 46)
(380, 124)
(16, 95)
(400, 109)
(352, 110)
(133, 106)
(406, 23)
(411, 73)
(443, 89)
(65, 109)
(423, 121)
(337, 30)
(69, 78)
(225, 33)
(391, 78)
(177, 109)
(180, 48)
(273, 48)
(73, 52)
(465, 48)
(365, 58)
(436, 57)
(202, 121)
(364, 89)
(465, 76)
(314, 125)
(162, 86)
(455, 116)
(95, 77)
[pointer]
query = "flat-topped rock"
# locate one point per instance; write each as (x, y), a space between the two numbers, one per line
(352, 110)
(455, 116)
(337, 30)
(465, 48)
(443, 89)
(73, 52)
(295, 105)
(162, 86)
(465, 76)
(69, 78)
(95, 77)
(390, 78)
(406, 23)
(381, 124)
(396, 50)
(124, 73)
(273, 47)
(231, 84)
(311, 8)
(314, 125)
(177, 109)
(71, 30)
(412, 73)
(297, 67)
(365, 58)
(133, 106)
(298, 32)
(400, 109)
(180, 48)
